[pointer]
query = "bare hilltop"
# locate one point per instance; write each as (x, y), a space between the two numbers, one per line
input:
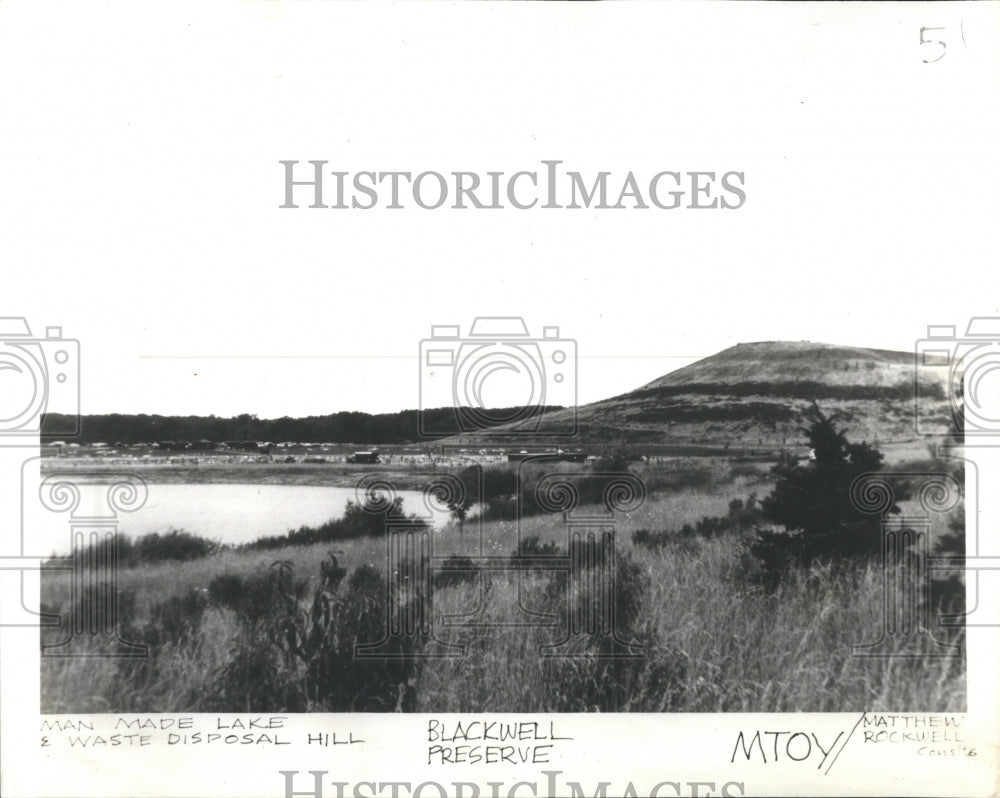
(753, 394)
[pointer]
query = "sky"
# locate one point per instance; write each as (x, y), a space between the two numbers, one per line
(142, 187)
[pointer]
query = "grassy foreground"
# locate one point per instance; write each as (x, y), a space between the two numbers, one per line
(245, 630)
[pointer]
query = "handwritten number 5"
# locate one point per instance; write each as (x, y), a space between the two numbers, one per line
(924, 40)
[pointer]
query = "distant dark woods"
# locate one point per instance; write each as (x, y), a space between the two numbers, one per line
(343, 427)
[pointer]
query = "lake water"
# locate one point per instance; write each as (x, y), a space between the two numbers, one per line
(225, 513)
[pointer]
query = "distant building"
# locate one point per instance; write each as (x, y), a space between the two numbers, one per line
(246, 446)
(558, 455)
(365, 457)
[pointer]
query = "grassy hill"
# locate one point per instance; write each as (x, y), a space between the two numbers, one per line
(753, 395)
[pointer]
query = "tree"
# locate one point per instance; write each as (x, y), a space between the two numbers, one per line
(813, 501)
(459, 510)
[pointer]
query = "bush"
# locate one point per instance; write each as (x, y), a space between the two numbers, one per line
(358, 521)
(451, 575)
(517, 493)
(175, 545)
(948, 592)
(174, 625)
(698, 477)
(587, 597)
(502, 508)
(267, 592)
(602, 669)
(226, 590)
(327, 637)
(257, 678)
(96, 606)
(299, 653)
(533, 547)
(813, 503)
(743, 517)
(649, 539)
(496, 482)
(175, 618)
(750, 470)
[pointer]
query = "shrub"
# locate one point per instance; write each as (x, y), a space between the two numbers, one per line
(327, 638)
(948, 592)
(523, 498)
(358, 521)
(596, 672)
(299, 653)
(256, 678)
(365, 579)
(175, 545)
(331, 571)
(588, 598)
(175, 618)
(813, 503)
(174, 625)
(496, 482)
(743, 516)
(650, 539)
(533, 547)
(458, 570)
(226, 590)
(266, 592)
(700, 477)
(749, 470)
(502, 508)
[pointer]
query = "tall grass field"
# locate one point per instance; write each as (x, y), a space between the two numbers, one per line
(682, 622)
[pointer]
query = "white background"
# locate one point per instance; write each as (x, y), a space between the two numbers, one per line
(141, 186)
(139, 149)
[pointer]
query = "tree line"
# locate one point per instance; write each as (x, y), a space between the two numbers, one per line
(344, 427)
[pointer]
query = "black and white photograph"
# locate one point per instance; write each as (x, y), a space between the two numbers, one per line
(730, 536)
(498, 399)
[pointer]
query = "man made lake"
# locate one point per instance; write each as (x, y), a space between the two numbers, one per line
(224, 513)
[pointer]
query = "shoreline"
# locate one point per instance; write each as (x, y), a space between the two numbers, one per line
(318, 475)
